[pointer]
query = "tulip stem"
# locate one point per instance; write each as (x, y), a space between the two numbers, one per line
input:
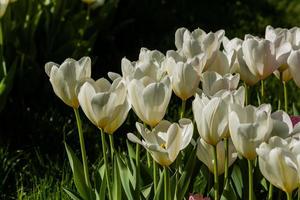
(298, 193)
(288, 196)
(262, 91)
(250, 174)
(216, 178)
(154, 175)
(285, 97)
(82, 147)
(137, 162)
(270, 194)
(112, 147)
(226, 146)
(166, 184)
(246, 93)
(105, 163)
(4, 71)
(182, 111)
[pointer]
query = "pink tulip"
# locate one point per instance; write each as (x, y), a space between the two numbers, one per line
(295, 119)
(198, 197)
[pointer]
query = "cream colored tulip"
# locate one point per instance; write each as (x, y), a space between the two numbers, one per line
(282, 124)
(205, 154)
(166, 140)
(249, 126)
(66, 77)
(278, 164)
(3, 6)
(149, 64)
(191, 44)
(105, 104)
(219, 63)
(234, 54)
(232, 96)
(212, 82)
(294, 64)
(295, 37)
(260, 56)
(184, 76)
(150, 99)
(211, 116)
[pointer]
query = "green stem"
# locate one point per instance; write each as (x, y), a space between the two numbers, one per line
(226, 146)
(250, 174)
(270, 194)
(112, 147)
(148, 159)
(154, 175)
(2, 51)
(262, 91)
(105, 163)
(298, 193)
(216, 178)
(285, 97)
(137, 163)
(280, 94)
(166, 184)
(182, 111)
(246, 93)
(82, 146)
(288, 196)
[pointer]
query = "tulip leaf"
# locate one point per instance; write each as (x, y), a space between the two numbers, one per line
(117, 192)
(125, 180)
(159, 193)
(78, 174)
(295, 111)
(186, 175)
(229, 193)
(237, 179)
(201, 181)
(72, 194)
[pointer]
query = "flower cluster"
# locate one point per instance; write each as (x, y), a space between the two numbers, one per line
(226, 124)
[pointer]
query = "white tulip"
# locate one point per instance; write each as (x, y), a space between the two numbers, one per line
(149, 64)
(3, 6)
(294, 63)
(166, 140)
(66, 77)
(150, 99)
(190, 44)
(212, 82)
(105, 104)
(205, 154)
(260, 56)
(219, 64)
(234, 54)
(278, 164)
(249, 126)
(211, 116)
(184, 76)
(232, 96)
(282, 124)
(295, 37)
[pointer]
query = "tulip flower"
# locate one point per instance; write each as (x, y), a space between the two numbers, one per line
(3, 6)
(191, 44)
(150, 99)
(249, 127)
(105, 104)
(184, 76)
(204, 153)
(198, 197)
(234, 54)
(295, 120)
(294, 63)
(212, 82)
(166, 140)
(278, 164)
(295, 37)
(260, 56)
(211, 116)
(282, 124)
(232, 96)
(66, 77)
(148, 65)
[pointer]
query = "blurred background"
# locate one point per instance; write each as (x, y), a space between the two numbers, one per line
(34, 122)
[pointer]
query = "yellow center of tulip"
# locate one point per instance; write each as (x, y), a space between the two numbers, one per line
(163, 145)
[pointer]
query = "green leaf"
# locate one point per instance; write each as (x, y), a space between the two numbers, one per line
(159, 194)
(229, 193)
(185, 178)
(117, 192)
(78, 173)
(72, 194)
(237, 179)
(125, 180)
(295, 111)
